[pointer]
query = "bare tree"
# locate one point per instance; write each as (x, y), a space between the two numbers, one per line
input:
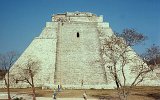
(6, 61)
(152, 55)
(118, 56)
(2, 73)
(132, 37)
(27, 73)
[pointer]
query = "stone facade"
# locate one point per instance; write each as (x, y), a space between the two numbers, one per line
(69, 52)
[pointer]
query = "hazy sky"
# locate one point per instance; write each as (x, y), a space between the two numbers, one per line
(22, 20)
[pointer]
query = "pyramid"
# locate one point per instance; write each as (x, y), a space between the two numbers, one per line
(68, 50)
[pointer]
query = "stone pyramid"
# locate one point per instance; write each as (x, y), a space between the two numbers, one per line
(68, 50)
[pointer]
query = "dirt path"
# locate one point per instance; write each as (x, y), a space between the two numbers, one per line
(45, 98)
(138, 93)
(3, 96)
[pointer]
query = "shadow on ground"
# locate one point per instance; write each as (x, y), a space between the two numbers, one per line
(105, 97)
(156, 96)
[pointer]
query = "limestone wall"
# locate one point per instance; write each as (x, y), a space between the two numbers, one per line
(78, 56)
(42, 49)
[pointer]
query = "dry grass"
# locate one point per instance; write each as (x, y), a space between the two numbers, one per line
(138, 93)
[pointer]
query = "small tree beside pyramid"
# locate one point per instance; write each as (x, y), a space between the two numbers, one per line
(6, 62)
(120, 60)
(152, 55)
(27, 72)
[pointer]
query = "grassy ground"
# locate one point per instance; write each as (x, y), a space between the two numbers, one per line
(138, 93)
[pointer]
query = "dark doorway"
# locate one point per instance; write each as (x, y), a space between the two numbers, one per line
(77, 34)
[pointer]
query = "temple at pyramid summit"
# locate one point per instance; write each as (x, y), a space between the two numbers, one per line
(68, 52)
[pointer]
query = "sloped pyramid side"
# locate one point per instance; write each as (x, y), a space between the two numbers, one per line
(43, 50)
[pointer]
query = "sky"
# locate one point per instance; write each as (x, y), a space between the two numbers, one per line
(23, 20)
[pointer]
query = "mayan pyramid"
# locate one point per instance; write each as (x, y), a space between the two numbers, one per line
(69, 52)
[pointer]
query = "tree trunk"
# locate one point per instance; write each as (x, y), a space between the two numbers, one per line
(117, 84)
(116, 81)
(8, 84)
(122, 94)
(33, 88)
(34, 93)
